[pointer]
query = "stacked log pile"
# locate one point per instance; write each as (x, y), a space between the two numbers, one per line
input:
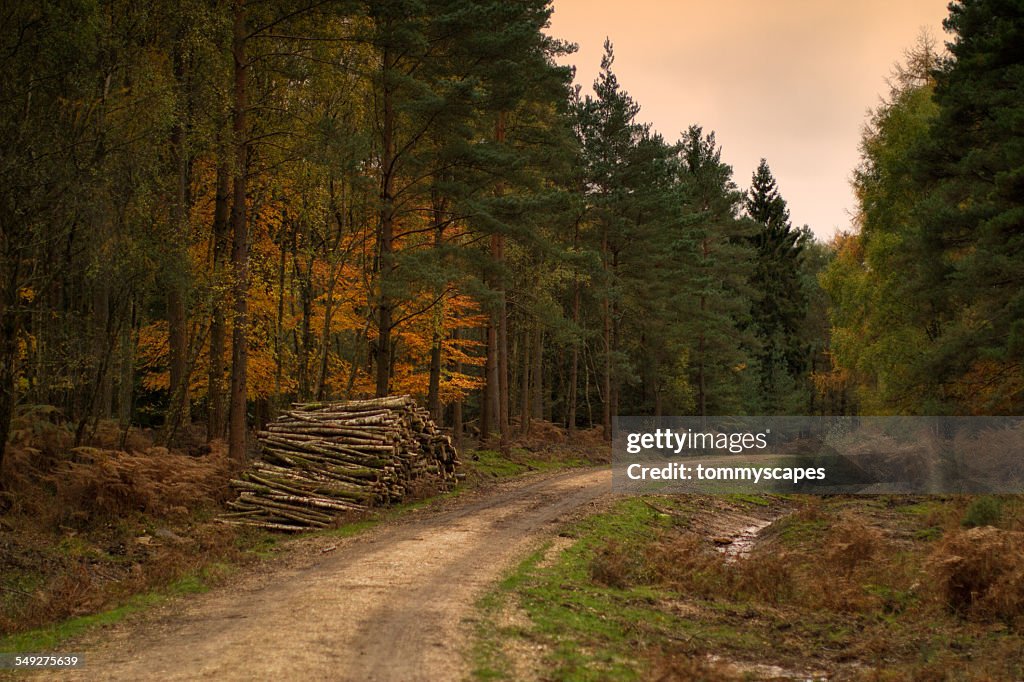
(323, 459)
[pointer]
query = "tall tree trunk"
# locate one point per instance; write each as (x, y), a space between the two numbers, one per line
(126, 381)
(537, 353)
(306, 300)
(524, 381)
(457, 426)
(383, 350)
(434, 381)
(606, 416)
(177, 317)
(126, 369)
(218, 327)
(701, 342)
(279, 333)
(101, 312)
(489, 407)
(613, 398)
(325, 334)
(502, 340)
(503, 378)
(338, 215)
(586, 393)
(387, 233)
(574, 364)
(240, 245)
(102, 368)
(702, 408)
(177, 340)
(606, 309)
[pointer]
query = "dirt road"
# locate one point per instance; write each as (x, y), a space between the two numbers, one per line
(392, 604)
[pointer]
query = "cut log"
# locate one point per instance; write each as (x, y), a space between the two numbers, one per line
(321, 460)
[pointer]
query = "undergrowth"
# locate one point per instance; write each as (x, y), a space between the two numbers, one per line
(84, 528)
(838, 586)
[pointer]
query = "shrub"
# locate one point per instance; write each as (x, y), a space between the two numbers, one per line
(614, 565)
(980, 573)
(850, 543)
(984, 511)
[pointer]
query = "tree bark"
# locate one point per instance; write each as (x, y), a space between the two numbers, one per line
(613, 398)
(606, 309)
(386, 234)
(306, 296)
(503, 387)
(606, 415)
(91, 410)
(574, 365)
(218, 326)
(434, 380)
(325, 336)
(101, 325)
(524, 382)
(457, 425)
(126, 368)
(537, 380)
(240, 246)
(489, 407)
(337, 214)
(177, 340)
(177, 316)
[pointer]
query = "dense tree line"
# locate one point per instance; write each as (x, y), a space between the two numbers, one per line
(209, 210)
(927, 296)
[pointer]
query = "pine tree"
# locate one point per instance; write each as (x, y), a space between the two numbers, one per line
(716, 294)
(633, 213)
(782, 303)
(520, 101)
(609, 134)
(764, 203)
(971, 177)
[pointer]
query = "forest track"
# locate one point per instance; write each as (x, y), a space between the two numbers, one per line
(394, 603)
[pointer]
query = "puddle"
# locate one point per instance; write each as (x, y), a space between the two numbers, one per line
(765, 671)
(740, 542)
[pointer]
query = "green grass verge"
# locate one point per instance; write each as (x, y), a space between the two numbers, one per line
(592, 631)
(484, 464)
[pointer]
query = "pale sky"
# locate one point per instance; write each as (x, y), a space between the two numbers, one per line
(787, 80)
